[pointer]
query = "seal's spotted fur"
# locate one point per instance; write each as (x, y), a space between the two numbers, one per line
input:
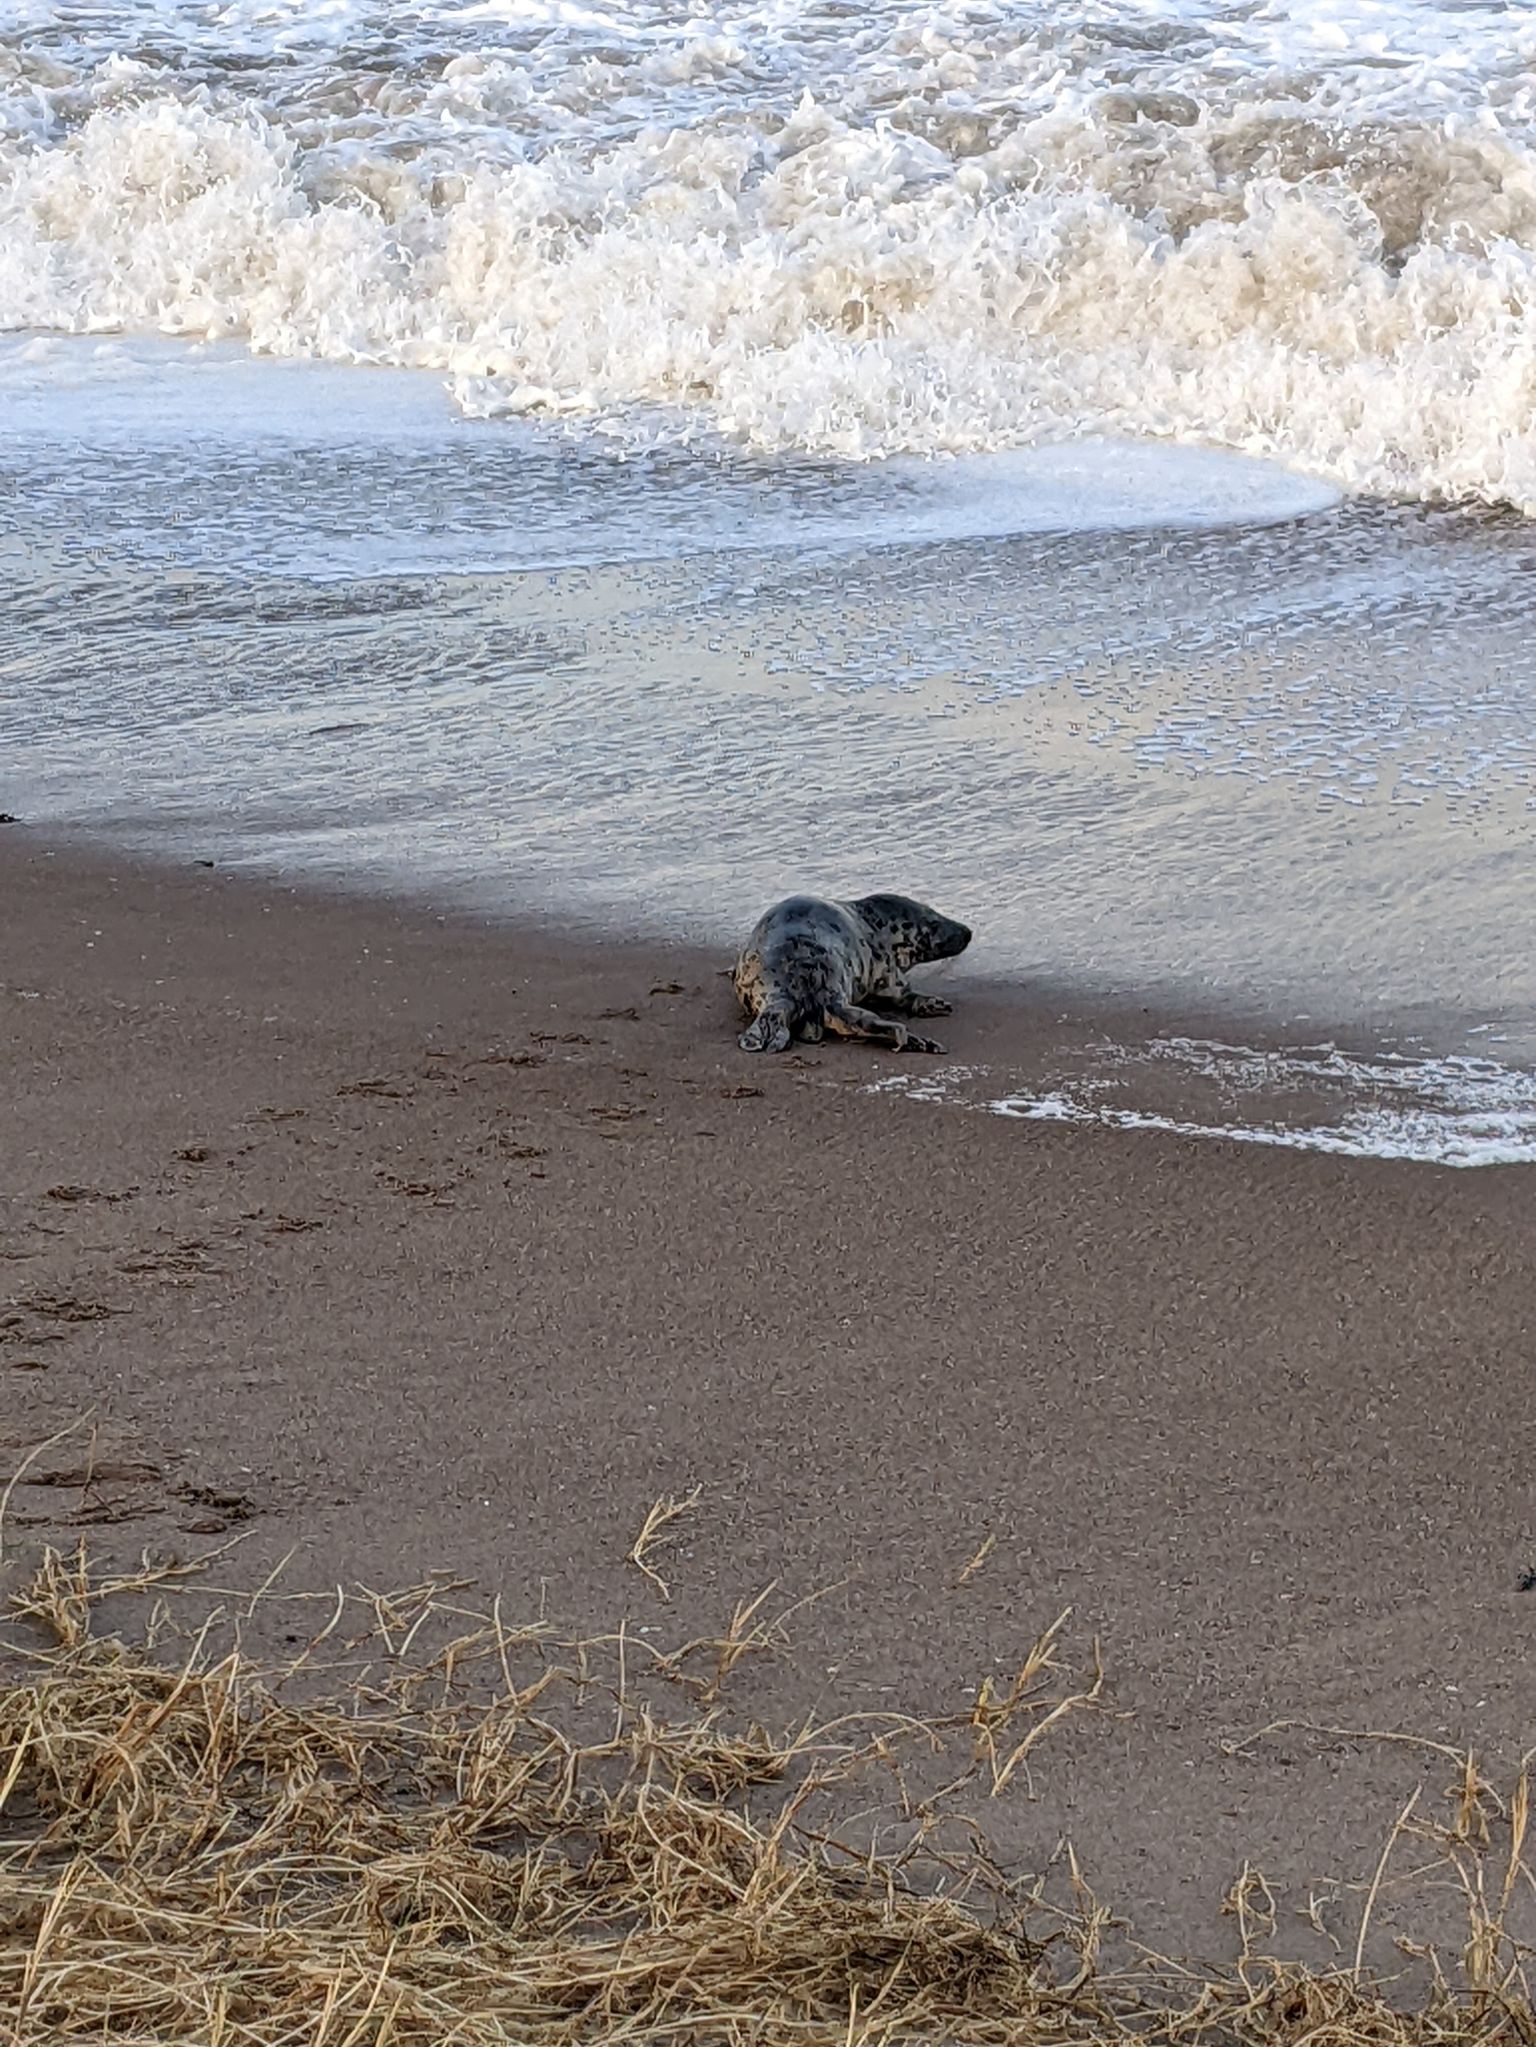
(810, 966)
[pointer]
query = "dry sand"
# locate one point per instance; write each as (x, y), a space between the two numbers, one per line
(398, 1243)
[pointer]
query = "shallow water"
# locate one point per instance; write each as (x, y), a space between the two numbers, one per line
(1282, 762)
(1070, 463)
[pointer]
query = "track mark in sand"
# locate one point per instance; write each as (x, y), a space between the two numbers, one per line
(380, 1090)
(559, 1038)
(439, 1077)
(116, 1481)
(110, 1471)
(77, 1194)
(514, 1059)
(216, 1512)
(434, 1191)
(125, 1485)
(668, 988)
(739, 1094)
(193, 1154)
(60, 1308)
(179, 1264)
(93, 1512)
(28, 1321)
(280, 1225)
(16, 1328)
(275, 1115)
(628, 1015)
(35, 1229)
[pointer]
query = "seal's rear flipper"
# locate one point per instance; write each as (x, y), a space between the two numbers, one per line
(847, 1020)
(770, 1032)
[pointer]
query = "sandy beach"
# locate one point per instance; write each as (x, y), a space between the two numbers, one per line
(519, 1522)
(392, 1243)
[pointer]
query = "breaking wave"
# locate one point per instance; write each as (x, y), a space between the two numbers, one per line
(806, 226)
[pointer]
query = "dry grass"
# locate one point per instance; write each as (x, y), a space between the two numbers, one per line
(978, 1559)
(429, 1825)
(657, 1529)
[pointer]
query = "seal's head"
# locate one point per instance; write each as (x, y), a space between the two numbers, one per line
(912, 931)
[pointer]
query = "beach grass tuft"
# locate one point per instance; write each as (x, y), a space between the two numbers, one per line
(420, 1821)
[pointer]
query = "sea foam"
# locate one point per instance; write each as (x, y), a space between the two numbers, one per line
(905, 229)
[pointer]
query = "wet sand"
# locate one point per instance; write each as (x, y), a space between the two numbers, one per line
(399, 1243)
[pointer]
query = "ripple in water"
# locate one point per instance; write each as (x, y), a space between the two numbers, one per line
(1284, 765)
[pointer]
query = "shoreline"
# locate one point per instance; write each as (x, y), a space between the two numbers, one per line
(389, 1245)
(1041, 1005)
(1026, 1048)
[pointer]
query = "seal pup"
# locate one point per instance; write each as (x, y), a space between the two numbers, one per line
(811, 966)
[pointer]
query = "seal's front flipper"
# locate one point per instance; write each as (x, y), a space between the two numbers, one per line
(914, 1043)
(847, 1020)
(893, 993)
(769, 1032)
